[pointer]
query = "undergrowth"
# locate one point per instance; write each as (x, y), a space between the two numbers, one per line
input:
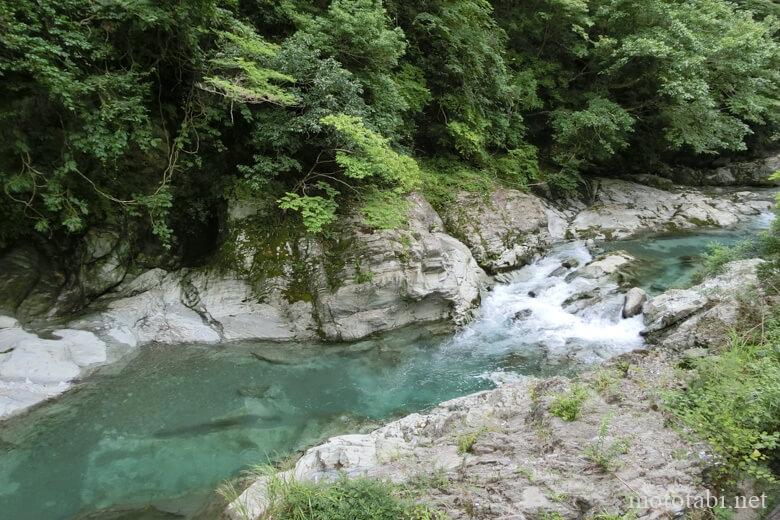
(733, 402)
(568, 405)
(343, 499)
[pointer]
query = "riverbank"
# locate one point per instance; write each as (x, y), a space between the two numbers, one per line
(556, 446)
(361, 284)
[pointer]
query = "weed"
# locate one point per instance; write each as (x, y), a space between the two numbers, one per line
(568, 405)
(525, 472)
(342, 499)
(733, 402)
(602, 453)
(466, 441)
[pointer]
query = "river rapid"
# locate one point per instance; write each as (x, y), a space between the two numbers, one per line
(165, 426)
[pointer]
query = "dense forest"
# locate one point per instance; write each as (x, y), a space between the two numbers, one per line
(159, 111)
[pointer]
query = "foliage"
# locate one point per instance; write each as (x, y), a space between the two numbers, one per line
(764, 245)
(603, 453)
(568, 405)
(347, 499)
(733, 402)
(155, 112)
(467, 441)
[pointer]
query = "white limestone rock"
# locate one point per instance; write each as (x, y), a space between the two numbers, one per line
(505, 230)
(624, 209)
(33, 369)
(702, 315)
(419, 274)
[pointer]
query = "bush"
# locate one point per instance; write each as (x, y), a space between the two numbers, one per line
(733, 402)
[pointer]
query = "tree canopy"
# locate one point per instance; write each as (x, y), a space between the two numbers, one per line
(158, 110)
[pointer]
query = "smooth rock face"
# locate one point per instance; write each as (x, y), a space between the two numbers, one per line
(635, 300)
(186, 307)
(709, 309)
(625, 209)
(505, 230)
(416, 275)
(522, 457)
(33, 369)
(406, 276)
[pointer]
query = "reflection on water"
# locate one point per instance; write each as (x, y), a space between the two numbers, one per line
(175, 420)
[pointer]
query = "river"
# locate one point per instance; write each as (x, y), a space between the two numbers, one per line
(165, 426)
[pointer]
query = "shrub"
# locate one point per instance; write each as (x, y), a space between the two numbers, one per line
(568, 405)
(466, 441)
(733, 402)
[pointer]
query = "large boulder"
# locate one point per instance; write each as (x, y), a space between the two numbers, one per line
(398, 277)
(504, 229)
(701, 316)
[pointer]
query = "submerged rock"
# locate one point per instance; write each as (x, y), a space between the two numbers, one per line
(634, 301)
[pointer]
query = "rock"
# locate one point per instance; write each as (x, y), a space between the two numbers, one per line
(104, 262)
(388, 279)
(29, 283)
(702, 315)
(672, 307)
(570, 263)
(7, 322)
(561, 271)
(744, 173)
(513, 471)
(633, 303)
(504, 231)
(624, 209)
(610, 265)
(522, 314)
(655, 181)
(417, 275)
(720, 177)
(33, 369)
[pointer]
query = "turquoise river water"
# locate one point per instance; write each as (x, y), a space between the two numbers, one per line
(167, 425)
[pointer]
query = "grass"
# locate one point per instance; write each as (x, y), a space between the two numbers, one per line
(568, 405)
(466, 441)
(343, 499)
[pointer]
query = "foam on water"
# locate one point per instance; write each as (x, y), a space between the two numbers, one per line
(173, 422)
(544, 322)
